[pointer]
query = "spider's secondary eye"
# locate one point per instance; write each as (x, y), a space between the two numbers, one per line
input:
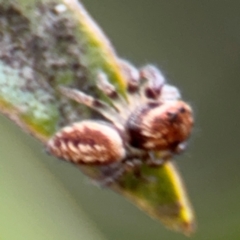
(160, 126)
(88, 142)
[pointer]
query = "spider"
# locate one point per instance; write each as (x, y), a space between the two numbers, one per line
(151, 119)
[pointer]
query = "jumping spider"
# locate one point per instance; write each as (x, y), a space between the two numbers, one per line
(152, 119)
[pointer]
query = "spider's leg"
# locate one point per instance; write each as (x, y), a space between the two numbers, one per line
(156, 88)
(169, 93)
(132, 78)
(110, 174)
(155, 81)
(91, 102)
(157, 159)
(109, 90)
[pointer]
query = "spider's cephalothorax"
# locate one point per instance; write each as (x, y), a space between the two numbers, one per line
(159, 126)
(151, 119)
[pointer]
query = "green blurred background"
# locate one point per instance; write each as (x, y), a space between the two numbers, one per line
(197, 46)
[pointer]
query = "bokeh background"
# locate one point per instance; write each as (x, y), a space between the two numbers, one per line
(197, 46)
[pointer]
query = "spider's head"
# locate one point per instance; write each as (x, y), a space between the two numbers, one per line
(157, 126)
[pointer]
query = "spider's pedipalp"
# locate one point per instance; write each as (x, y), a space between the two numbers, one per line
(91, 102)
(155, 81)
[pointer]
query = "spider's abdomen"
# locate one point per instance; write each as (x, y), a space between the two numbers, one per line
(157, 126)
(88, 142)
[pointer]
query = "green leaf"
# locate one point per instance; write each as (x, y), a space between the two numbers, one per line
(46, 44)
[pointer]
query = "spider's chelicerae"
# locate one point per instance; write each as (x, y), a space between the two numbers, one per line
(150, 120)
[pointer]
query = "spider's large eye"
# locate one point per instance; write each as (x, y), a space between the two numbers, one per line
(158, 126)
(88, 142)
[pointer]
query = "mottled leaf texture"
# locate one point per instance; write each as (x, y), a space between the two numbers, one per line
(47, 43)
